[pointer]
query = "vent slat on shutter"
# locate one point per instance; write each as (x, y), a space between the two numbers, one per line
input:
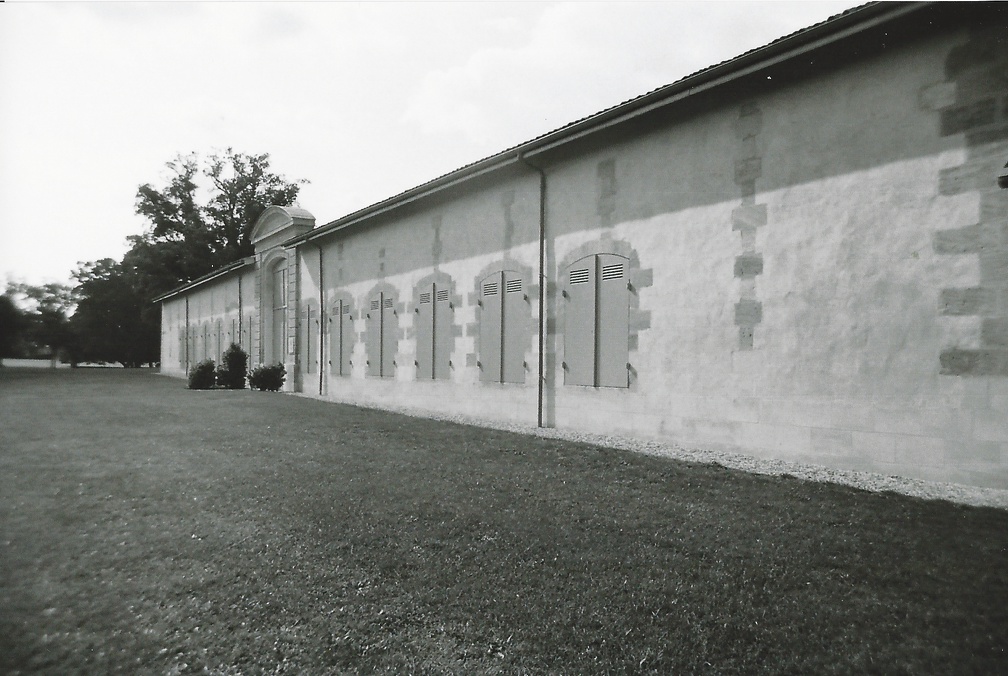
(388, 302)
(442, 295)
(514, 285)
(614, 271)
(579, 276)
(425, 297)
(490, 289)
(375, 304)
(346, 309)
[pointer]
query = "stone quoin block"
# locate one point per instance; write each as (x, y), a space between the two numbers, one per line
(748, 170)
(937, 96)
(963, 362)
(968, 116)
(993, 208)
(748, 265)
(994, 266)
(994, 332)
(956, 362)
(749, 216)
(980, 83)
(980, 137)
(977, 52)
(958, 180)
(639, 320)
(745, 337)
(641, 278)
(748, 313)
(750, 122)
(958, 240)
(968, 301)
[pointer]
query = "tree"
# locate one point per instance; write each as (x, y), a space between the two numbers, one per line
(109, 322)
(46, 326)
(191, 240)
(244, 188)
(12, 322)
(178, 239)
(116, 319)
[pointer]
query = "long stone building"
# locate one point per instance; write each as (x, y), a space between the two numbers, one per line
(801, 253)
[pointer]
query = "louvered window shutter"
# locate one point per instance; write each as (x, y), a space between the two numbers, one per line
(341, 338)
(579, 329)
(442, 330)
(335, 323)
(389, 337)
(348, 339)
(613, 322)
(424, 319)
(515, 329)
(373, 342)
(490, 329)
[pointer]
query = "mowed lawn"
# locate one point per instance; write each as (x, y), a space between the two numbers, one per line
(147, 528)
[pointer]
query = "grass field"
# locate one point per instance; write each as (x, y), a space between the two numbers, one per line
(147, 528)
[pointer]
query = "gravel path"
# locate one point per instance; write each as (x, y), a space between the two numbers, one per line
(931, 490)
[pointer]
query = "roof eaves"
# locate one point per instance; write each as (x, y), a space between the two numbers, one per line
(833, 29)
(468, 172)
(230, 267)
(837, 27)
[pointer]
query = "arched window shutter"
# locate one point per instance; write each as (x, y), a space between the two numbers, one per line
(597, 330)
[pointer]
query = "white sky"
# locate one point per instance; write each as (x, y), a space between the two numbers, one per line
(362, 99)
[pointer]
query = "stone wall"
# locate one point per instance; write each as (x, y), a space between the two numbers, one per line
(816, 270)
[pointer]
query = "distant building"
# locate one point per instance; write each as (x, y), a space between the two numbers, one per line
(801, 253)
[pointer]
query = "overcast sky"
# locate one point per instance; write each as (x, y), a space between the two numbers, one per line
(362, 99)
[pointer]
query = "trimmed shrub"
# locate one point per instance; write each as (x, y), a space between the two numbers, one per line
(201, 376)
(267, 377)
(234, 365)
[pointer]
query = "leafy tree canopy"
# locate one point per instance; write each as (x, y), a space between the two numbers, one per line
(39, 319)
(111, 323)
(12, 321)
(187, 239)
(52, 296)
(199, 221)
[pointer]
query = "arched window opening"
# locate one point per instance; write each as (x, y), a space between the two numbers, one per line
(382, 329)
(276, 296)
(434, 316)
(503, 331)
(341, 337)
(597, 331)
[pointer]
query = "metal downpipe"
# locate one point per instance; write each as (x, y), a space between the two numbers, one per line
(543, 284)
